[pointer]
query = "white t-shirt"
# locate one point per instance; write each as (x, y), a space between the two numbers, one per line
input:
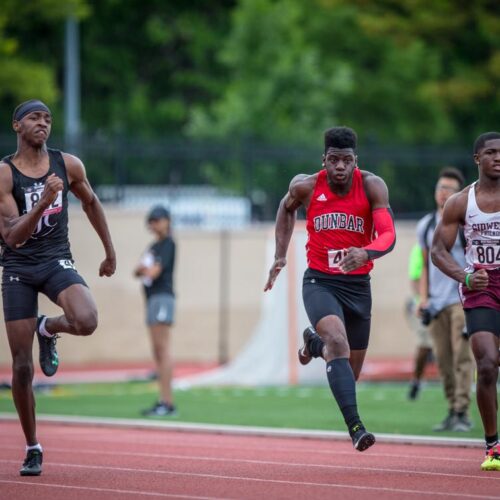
(443, 290)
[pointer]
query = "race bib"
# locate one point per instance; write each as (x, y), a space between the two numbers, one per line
(334, 258)
(32, 196)
(486, 255)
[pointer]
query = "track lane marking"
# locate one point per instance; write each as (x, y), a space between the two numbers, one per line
(280, 481)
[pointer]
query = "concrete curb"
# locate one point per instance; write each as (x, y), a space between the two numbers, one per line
(246, 430)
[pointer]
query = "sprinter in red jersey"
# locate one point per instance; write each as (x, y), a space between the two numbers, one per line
(349, 223)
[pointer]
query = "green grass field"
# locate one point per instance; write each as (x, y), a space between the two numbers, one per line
(383, 406)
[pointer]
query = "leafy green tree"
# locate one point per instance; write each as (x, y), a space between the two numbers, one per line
(147, 63)
(30, 49)
(406, 72)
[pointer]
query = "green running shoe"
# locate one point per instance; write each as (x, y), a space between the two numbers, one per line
(49, 360)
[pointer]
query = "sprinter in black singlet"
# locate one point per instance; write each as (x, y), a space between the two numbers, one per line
(36, 257)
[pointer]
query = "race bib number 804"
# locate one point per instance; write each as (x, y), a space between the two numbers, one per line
(486, 255)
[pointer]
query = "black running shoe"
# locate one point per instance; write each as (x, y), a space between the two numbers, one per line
(414, 390)
(304, 354)
(49, 360)
(32, 465)
(361, 438)
(160, 410)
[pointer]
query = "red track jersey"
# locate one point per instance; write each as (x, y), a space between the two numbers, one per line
(337, 222)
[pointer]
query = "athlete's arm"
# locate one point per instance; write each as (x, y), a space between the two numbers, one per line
(300, 189)
(80, 187)
(445, 236)
(15, 228)
(383, 222)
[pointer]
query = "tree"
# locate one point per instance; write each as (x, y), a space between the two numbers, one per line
(147, 63)
(406, 72)
(31, 69)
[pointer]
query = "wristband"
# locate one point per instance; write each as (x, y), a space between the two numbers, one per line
(467, 278)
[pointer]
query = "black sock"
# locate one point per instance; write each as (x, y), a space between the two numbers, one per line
(343, 387)
(491, 441)
(315, 346)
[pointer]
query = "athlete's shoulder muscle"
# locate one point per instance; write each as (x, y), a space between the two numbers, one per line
(455, 207)
(6, 181)
(74, 168)
(302, 185)
(375, 189)
(299, 192)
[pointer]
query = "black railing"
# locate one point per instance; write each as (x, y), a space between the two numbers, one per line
(259, 171)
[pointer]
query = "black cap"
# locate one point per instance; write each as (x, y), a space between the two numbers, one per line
(158, 212)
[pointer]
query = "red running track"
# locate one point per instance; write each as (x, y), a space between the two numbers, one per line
(86, 462)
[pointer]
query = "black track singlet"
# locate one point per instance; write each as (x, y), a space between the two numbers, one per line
(49, 240)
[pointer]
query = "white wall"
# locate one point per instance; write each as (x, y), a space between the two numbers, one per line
(121, 335)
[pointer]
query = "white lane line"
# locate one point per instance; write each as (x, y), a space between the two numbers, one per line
(494, 477)
(111, 490)
(265, 449)
(419, 492)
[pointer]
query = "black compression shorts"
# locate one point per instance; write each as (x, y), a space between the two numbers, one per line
(482, 319)
(346, 296)
(21, 285)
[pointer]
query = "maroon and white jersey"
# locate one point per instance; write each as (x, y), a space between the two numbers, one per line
(482, 233)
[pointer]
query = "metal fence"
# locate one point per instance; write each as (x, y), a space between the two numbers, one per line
(258, 171)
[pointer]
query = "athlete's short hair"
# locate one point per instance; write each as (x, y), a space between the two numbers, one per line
(481, 140)
(452, 173)
(340, 137)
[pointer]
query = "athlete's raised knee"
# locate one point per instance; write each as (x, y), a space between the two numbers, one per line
(336, 345)
(84, 324)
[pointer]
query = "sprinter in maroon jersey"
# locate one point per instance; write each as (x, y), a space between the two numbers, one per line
(349, 224)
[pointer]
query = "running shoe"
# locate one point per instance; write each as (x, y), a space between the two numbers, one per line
(304, 354)
(32, 465)
(462, 423)
(447, 424)
(414, 390)
(160, 410)
(49, 360)
(361, 438)
(492, 459)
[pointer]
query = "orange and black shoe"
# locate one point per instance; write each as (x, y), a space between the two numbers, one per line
(304, 354)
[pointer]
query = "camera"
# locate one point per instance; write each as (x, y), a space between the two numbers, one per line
(426, 317)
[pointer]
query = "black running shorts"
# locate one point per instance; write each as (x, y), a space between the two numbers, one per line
(482, 319)
(346, 296)
(21, 285)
